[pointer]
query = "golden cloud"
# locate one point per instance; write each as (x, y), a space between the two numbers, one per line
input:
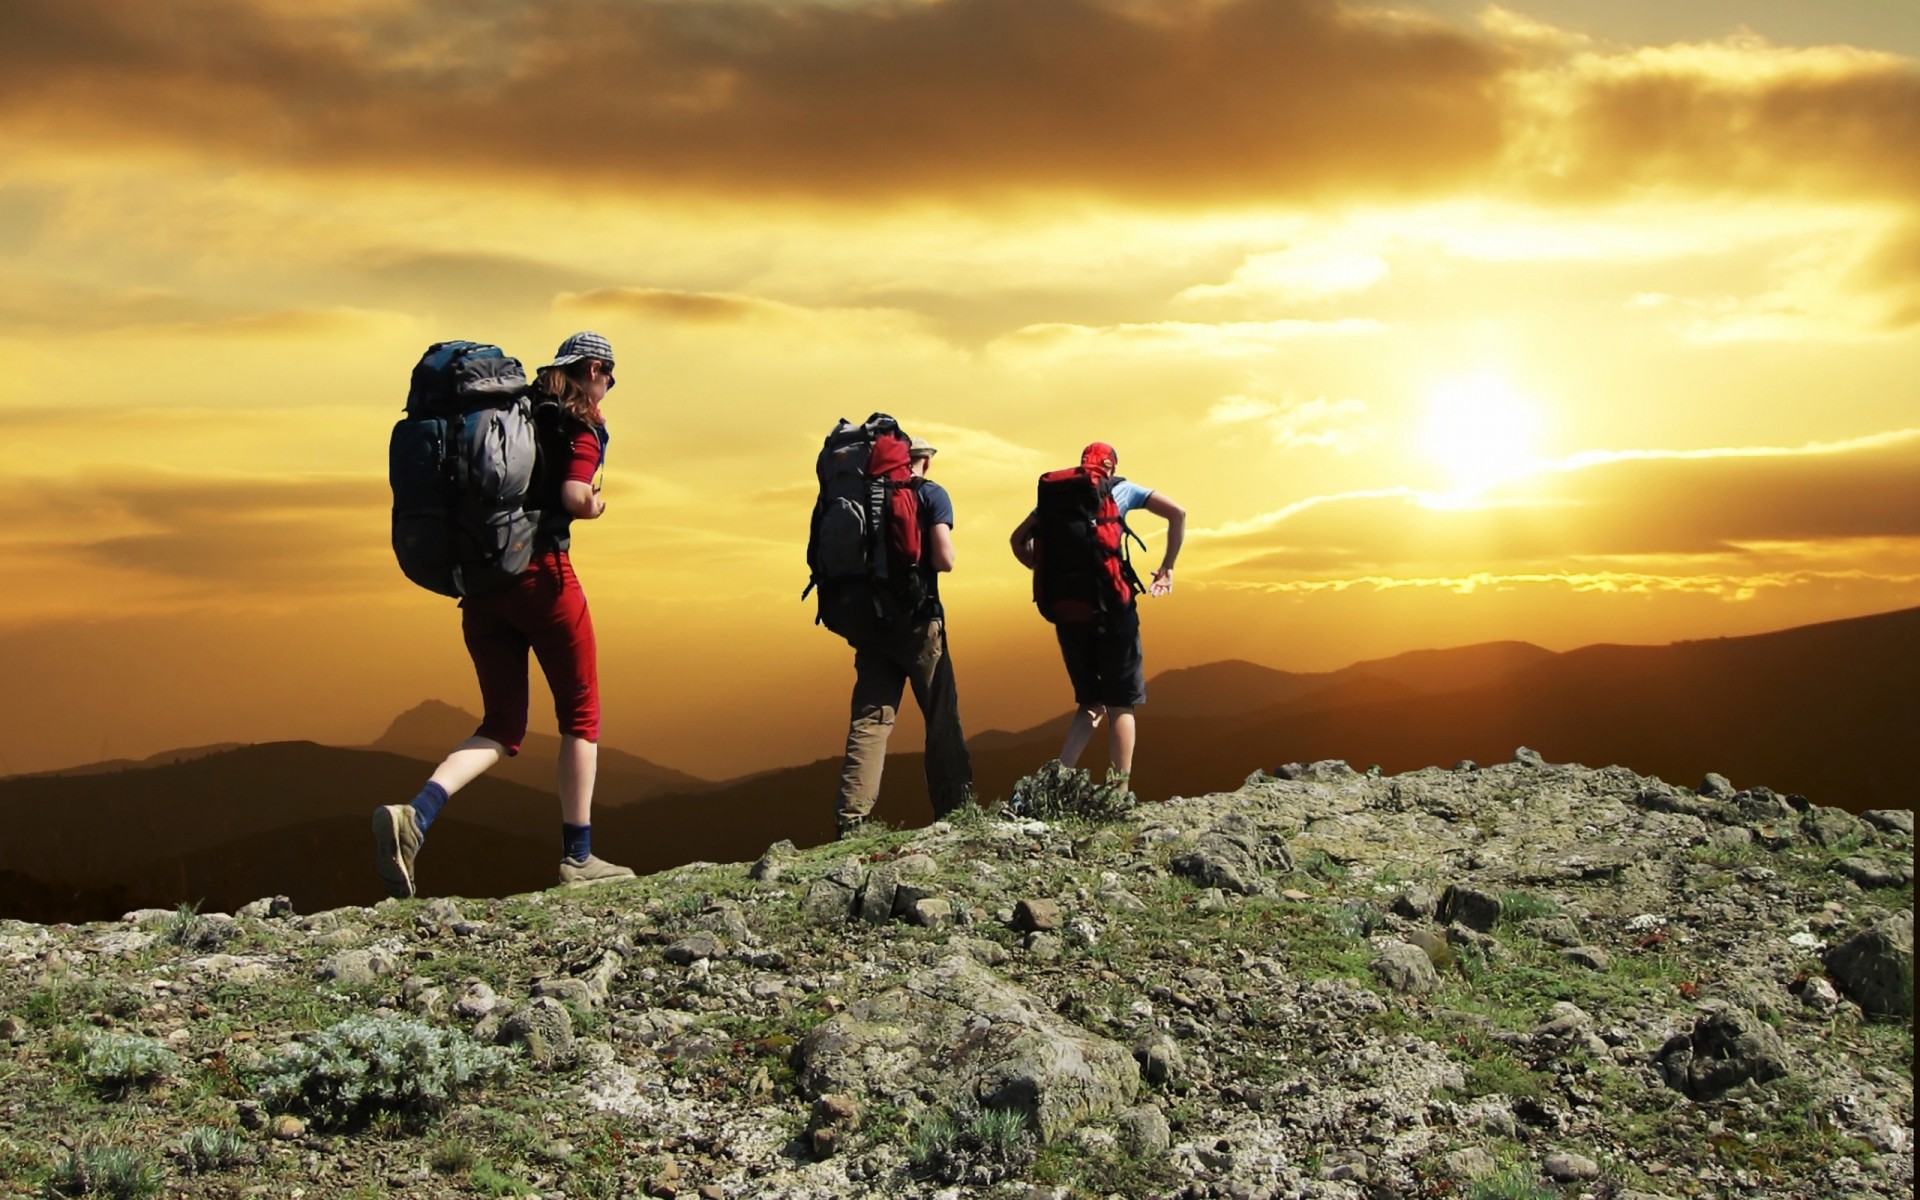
(1600, 510)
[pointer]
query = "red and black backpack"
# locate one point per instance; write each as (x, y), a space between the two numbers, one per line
(864, 548)
(1083, 572)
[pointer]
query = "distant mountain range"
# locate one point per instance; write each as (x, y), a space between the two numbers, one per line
(1827, 710)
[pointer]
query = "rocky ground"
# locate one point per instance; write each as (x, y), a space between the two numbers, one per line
(1523, 980)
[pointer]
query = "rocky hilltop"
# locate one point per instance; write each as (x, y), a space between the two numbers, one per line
(1523, 980)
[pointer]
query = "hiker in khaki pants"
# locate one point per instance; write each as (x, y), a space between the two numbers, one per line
(886, 661)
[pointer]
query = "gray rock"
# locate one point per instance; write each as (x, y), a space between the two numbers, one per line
(1715, 787)
(1413, 902)
(1471, 1164)
(1874, 873)
(958, 1029)
(932, 913)
(1528, 758)
(849, 873)
(1470, 907)
(545, 1028)
(1406, 968)
(1818, 993)
(1591, 957)
(827, 903)
(1465, 766)
(359, 967)
(1042, 916)
(1555, 931)
(772, 864)
(1161, 1060)
(1144, 1131)
(1726, 1048)
(1893, 820)
(1044, 946)
(1232, 855)
(1875, 967)
(906, 895)
(696, 946)
(267, 908)
(1830, 826)
(876, 899)
(1563, 1166)
(477, 1001)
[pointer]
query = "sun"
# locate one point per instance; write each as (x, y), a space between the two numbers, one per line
(1481, 432)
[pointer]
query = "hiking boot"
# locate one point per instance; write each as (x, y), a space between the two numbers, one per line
(396, 841)
(844, 829)
(579, 872)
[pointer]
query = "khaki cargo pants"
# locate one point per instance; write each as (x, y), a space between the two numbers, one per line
(884, 663)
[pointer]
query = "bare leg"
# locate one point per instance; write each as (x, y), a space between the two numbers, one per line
(468, 761)
(579, 762)
(1080, 732)
(1120, 740)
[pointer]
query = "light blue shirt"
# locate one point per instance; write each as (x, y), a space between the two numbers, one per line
(1128, 495)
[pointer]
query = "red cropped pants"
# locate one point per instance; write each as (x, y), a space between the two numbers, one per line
(544, 611)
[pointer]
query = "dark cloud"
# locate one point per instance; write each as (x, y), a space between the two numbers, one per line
(1625, 509)
(1248, 98)
(1825, 122)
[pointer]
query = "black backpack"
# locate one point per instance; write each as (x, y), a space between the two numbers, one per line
(461, 463)
(864, 547)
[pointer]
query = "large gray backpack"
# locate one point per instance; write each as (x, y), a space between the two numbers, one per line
(461, 463)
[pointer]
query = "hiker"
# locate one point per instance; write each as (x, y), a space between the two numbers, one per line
(542, 609)
(1074, 542)
(894, 622)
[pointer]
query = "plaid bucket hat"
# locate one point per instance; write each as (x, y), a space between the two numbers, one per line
(583, 345)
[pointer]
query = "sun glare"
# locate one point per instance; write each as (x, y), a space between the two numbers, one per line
(1481, 432)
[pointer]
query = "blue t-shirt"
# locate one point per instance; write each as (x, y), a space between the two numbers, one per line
(1128, 495)
(936, 508)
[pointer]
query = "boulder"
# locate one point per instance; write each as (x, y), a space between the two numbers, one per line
(1232, 855)
(1406, 968)
(545, 1028)
(875, 905)
(1830, 826)
(1875, 967)
(1470, 907)
(957, 1028)
(358, 968)
(1726, 1048)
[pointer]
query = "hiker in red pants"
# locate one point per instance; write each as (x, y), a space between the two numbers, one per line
(543, 610)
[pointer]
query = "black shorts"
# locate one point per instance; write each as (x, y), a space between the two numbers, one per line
(1103, 660)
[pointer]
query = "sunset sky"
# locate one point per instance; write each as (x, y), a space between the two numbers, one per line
(1567, 322)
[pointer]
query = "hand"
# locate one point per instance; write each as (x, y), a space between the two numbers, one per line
(1162, 582)
(599, 504)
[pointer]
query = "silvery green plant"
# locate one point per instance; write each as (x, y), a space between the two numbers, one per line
(345, 1075)
(112, 1171)
(119, 1062)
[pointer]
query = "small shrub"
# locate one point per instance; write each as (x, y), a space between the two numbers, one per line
(982, 1148)
(1516, 907)
(365, 1065)
(1057, 790)
(205, 1149)
(116, 1063)
(453, 1157)
(112, 1171)
(490, 1180)
(1517, 1182)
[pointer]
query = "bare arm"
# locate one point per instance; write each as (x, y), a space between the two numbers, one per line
(580, 500)
(1023, 542)
(943, 547)
(1164, 506)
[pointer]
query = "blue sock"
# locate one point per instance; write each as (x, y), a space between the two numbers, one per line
(428, 803)
(576, 841)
